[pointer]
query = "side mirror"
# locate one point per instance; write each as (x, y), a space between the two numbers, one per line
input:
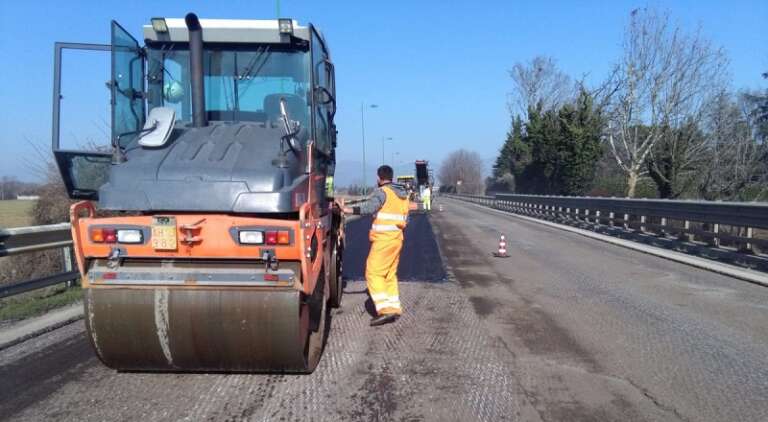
(158, 127)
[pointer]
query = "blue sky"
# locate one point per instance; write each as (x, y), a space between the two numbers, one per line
(437, 69)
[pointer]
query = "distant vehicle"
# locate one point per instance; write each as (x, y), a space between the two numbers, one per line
(421, 179)
(408, 183)
(422, 173)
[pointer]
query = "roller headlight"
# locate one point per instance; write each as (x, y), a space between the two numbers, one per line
(251, 237)
(129, 236)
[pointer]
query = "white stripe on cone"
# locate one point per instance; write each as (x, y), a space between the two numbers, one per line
(502, 246)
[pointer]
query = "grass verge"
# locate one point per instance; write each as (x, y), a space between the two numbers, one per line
(29, 305)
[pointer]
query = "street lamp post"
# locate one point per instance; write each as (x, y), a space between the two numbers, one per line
(382, 148)
(362, 125)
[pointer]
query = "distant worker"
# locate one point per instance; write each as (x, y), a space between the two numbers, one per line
(389, 205)
(426, 196)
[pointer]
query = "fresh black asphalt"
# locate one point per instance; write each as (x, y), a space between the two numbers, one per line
(419, 261)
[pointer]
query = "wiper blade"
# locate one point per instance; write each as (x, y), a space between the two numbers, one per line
(261, 52)
(162, 70)
(249, 73)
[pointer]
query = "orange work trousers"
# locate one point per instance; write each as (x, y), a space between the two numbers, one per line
(381, 273)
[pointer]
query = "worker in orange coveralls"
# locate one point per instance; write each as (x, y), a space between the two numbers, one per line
(389, 205)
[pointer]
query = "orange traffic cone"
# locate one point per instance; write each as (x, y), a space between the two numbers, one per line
(502, 253)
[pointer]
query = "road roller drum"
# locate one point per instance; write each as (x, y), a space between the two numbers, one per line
(178, 329)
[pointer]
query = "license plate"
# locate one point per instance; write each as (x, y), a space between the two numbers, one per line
(164, 233)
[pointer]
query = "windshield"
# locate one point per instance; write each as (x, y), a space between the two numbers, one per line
(240, 85)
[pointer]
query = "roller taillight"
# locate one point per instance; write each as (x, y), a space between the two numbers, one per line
(269, 237)
(113, 235)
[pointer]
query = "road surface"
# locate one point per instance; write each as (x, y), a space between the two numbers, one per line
(567, 328)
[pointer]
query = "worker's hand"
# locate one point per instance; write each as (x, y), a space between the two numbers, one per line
(347, 210)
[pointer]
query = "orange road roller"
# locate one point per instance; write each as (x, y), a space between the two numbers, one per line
(207, 234)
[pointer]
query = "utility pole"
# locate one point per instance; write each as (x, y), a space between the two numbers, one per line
(382, 149)
(362, 125)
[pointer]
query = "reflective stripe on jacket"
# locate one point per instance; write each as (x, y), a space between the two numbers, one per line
(393, 215)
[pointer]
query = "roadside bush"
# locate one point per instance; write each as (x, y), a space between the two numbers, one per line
(51, 208)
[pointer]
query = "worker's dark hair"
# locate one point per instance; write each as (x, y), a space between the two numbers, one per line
(385, 172)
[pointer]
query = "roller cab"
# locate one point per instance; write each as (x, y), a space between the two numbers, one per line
(207, 236)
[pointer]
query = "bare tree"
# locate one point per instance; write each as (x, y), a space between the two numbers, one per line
(463, 171)
(737, 164)
(538, 81)
(662, 81)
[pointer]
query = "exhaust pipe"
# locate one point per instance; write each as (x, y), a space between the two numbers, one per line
(199, 115)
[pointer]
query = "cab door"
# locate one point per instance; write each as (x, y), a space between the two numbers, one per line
(90, 117)
(127, 85)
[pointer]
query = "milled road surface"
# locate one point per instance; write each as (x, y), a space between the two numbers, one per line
(567, 328)
(599, 332)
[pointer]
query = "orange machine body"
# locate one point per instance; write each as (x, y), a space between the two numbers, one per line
(207, 236)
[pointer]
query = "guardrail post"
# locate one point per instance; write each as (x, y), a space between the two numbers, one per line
(610, 218)
(747, 247)
(597, 218)
(626, 221)
(715, 240)
(663, 231)
(67, 254)
(686, 236)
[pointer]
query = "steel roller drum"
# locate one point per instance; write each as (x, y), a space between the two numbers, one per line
(179, 329)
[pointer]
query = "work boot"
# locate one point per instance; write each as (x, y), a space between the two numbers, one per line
(383, 319)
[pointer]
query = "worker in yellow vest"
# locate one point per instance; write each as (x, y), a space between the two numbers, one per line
(427, 198)
(389, 205)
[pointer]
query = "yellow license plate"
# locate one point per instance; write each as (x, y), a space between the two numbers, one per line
(164, 233)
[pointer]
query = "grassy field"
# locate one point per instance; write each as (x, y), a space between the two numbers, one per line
(15, 213)
(37, 303)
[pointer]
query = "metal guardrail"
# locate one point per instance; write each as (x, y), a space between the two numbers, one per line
(21, 240)
(710, 222)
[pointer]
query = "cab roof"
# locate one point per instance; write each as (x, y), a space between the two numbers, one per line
(226, 31)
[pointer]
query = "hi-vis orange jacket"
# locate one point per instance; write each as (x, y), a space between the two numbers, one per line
(389, 222)
(392, 196)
